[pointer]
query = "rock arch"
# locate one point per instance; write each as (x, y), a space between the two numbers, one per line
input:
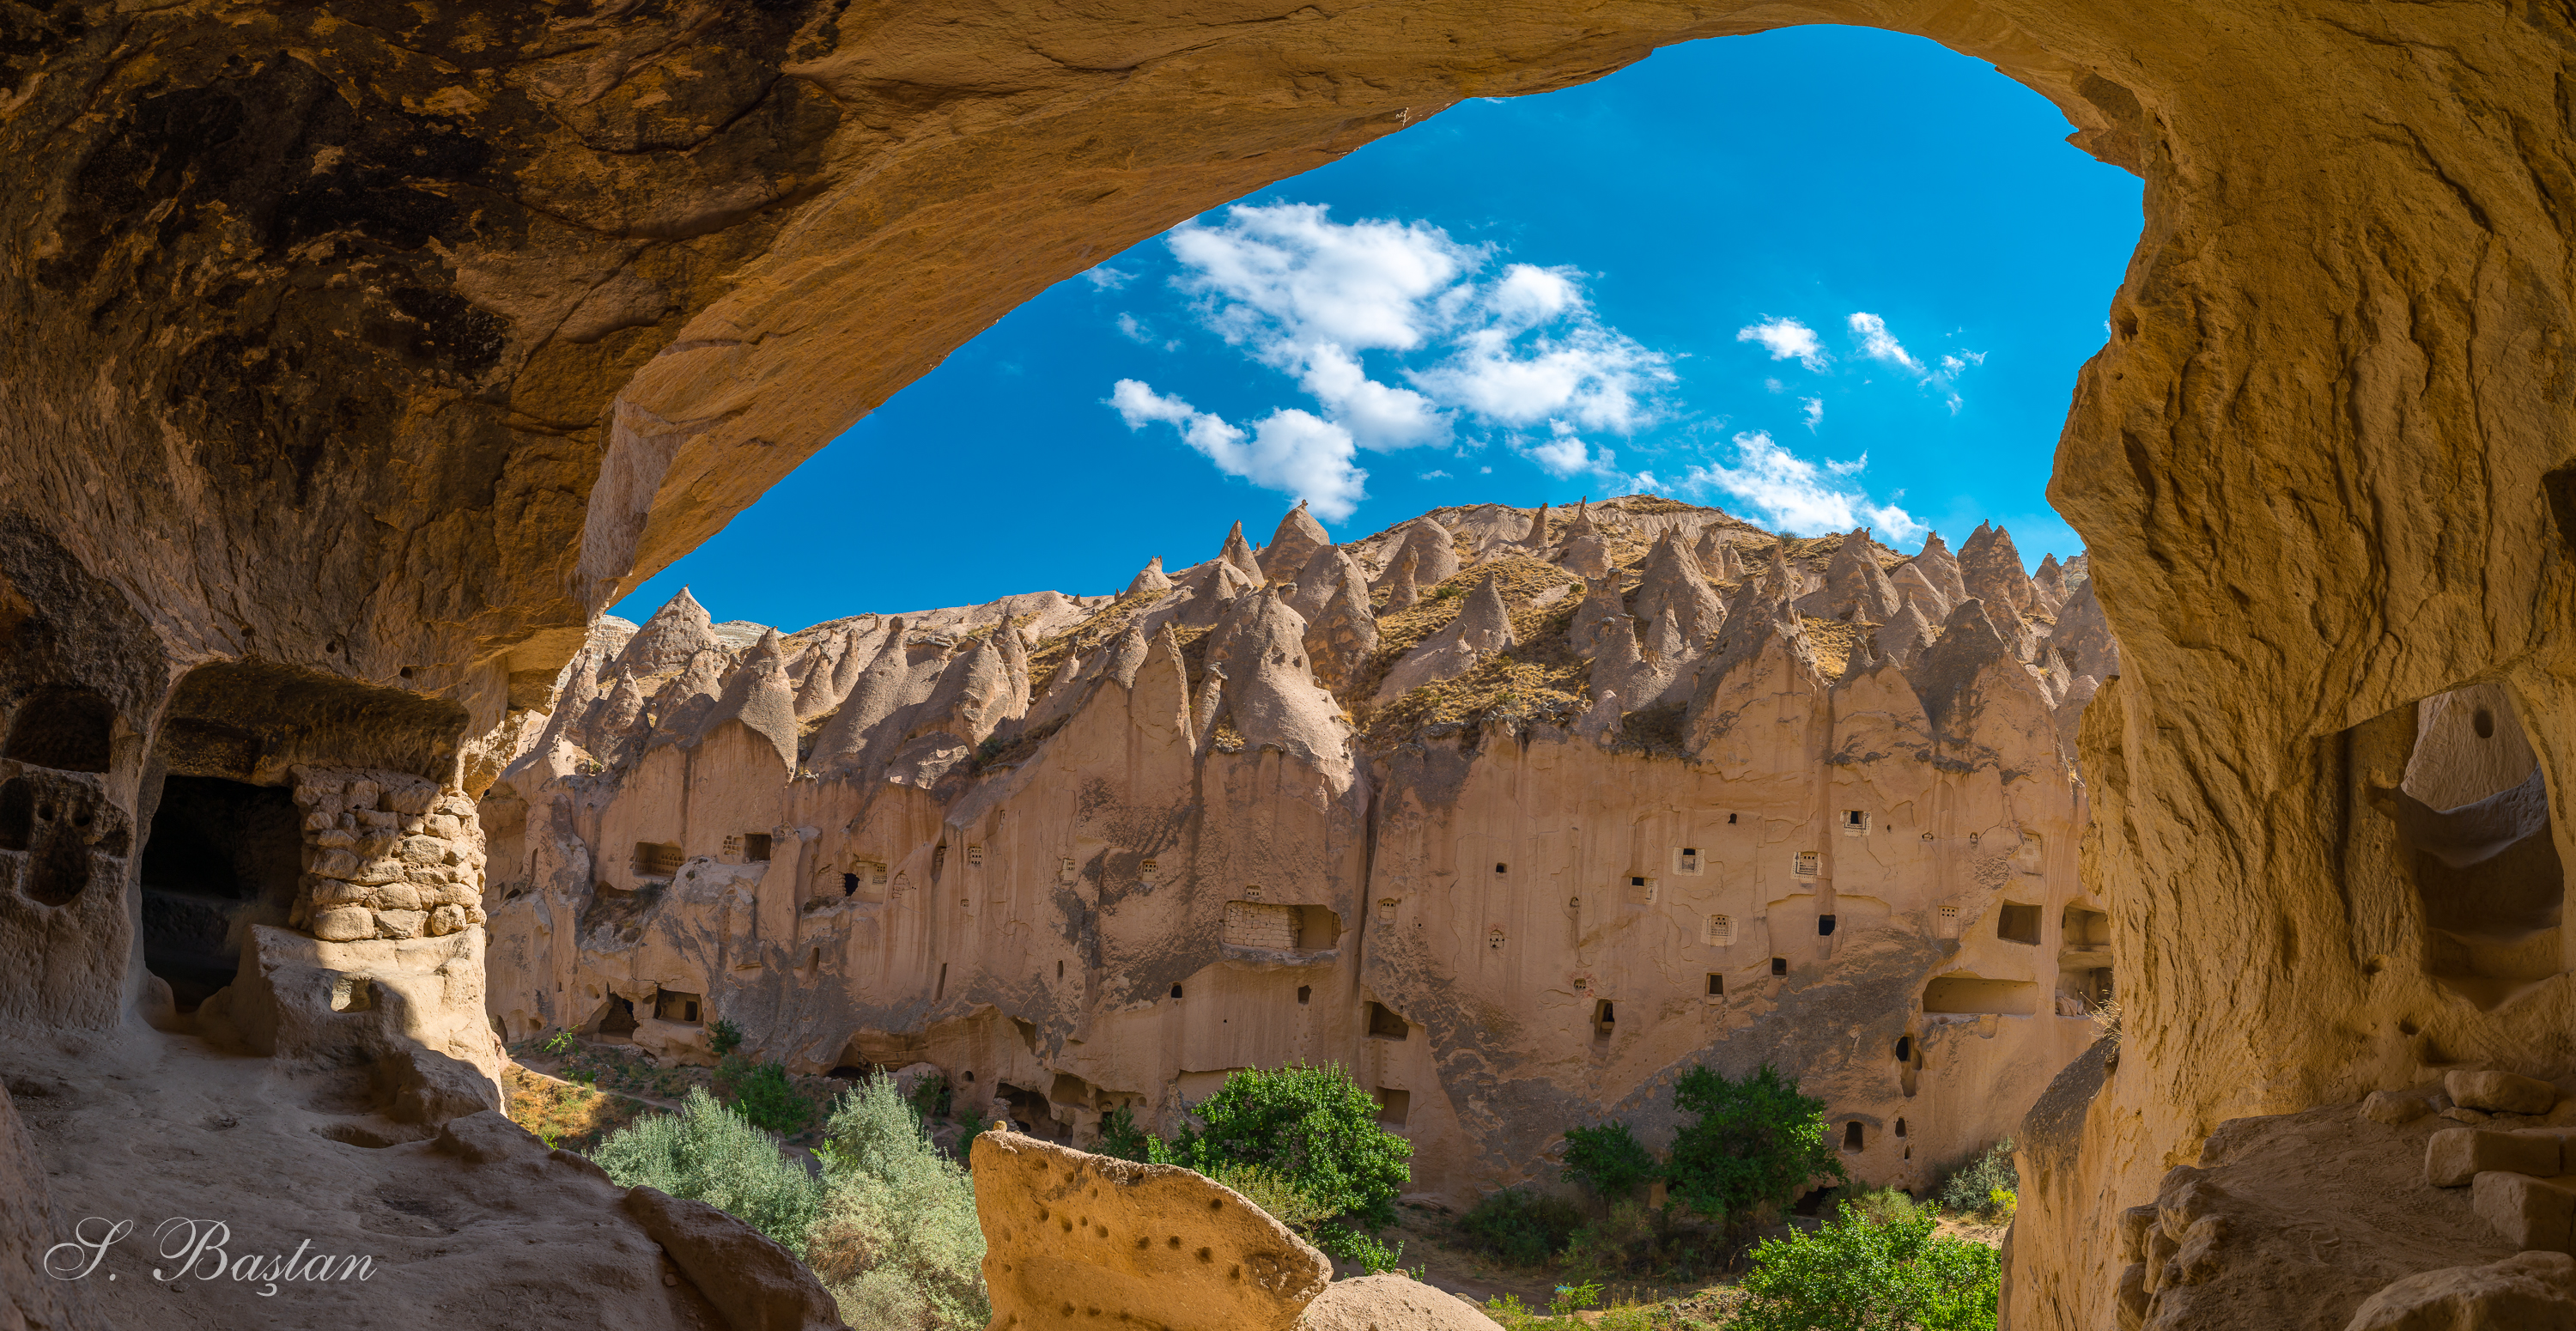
(601, 280)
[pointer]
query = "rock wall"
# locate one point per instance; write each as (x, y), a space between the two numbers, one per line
(1091, 853)
(357, 354)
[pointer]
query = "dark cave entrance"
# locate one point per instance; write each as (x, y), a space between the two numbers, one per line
(222, 856)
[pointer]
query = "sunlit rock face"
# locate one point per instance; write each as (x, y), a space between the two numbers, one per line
(360, 353)
(1086, 853)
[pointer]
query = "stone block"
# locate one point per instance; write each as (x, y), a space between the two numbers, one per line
(376, 873)
(332, 862)
(2501, 1092)
(364, 794)
(344, 924)
(2454, 1156)
(2394, 1107)
(446, 920)
(422, 850)
(411, 801)
(2565, 1139)
(2464, 1115)
(2530, 1213)
(395, 896)
(401, 923)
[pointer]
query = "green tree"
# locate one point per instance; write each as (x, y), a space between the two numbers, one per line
(711, 1154)
(762, 1094)
(1755, 1142)
(1609, 1160)
(896, 1241)
(1857, 1275)
(1312, 1126)
(1119, 1136)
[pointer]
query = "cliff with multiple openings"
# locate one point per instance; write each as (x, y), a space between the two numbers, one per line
(1516, 814)
(357, 355)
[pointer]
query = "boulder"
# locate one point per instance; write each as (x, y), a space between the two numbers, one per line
(2500, 1092)
(1077, 1241)
(2531, 1291)
(2530, 1213)
(2454, 1156)
(1390, 1303)
(758, 1285)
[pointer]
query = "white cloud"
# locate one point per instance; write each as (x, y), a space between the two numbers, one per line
(1291, 451)
(1432, 476)
(1786, 339)
(1878, 344)
(1134, 329)
(1562, 454)
(1799, 496)
(1812, 409)
(1106, 278)
(1313, 298)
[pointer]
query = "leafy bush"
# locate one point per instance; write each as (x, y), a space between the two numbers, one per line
(1520, 1226)
(1754, 1144)
(930, 1097)
(724, 1037)
(1609, 1160)
(896, 1241)
(1973, 1187)
(762, 1094)
(1315, 1127)
(1357, 1245)
(1889, 1206)
(561, 1042)
(2000, 1205)
(1119, 1136)
(1858, 1275)
(711, 1154)
(1270, 1190)
(1573, 1298)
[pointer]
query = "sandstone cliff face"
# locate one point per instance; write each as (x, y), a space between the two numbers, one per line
(1187, 856)
(358, 354)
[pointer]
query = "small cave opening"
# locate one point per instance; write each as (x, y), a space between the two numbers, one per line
(67, 729)
(2474, 835)
(221, 856)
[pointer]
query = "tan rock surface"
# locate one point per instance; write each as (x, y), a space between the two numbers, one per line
(470, 321)
(1390, 1303)
(1074, 1240)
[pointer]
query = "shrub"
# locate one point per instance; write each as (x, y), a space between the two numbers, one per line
(1755, 1142)
(1520, 1226)
(762, 1094)
(1973, 1187)
(896, 1241)
(711, 1154)
(724, 1037)
(930, 1096)
(2000, 1205)
(1858, 1275)
(1119, 1136)
(1889, 1206)
(1315, 1127)
(1270, 1190)
(1609, 1160)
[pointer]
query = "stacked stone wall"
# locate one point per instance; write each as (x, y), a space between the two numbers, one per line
(386, 855)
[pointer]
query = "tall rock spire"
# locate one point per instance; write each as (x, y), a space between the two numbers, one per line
(679, 630)
(1238, 552)
(1297, 541)
(1673, 584)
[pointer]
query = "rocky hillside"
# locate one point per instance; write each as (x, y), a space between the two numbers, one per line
(1514, 812)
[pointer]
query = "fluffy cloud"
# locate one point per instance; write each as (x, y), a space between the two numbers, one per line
(1878, 344)
(1106, 278)
(1799, 496)
(1786, 339)
(1291, 451)
(1516, 346)
(1812, 410)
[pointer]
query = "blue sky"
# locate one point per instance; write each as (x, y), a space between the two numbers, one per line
(1817, 277)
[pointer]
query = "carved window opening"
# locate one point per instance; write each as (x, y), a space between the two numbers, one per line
(1393, 1105)
(1852, 1139)
(1281, 928)
(1384, 1024)
(755, 847)
(1501, 867)
(1900, 1129)
(1975, 995)
(1686, 860)
(1779, 965)
(1176, 991)
(1719, 932)
(657, 859)
(615, 1020)
(1945, 922)
(1305, 994)
(975, 854)
(672, 1005)
(1716, 985)
(1855, 822)
(2016, 922)
(1605, 1019)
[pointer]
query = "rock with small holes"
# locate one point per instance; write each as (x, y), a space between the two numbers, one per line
(1079, 1240)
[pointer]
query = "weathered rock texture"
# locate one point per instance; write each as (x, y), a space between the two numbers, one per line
(1074, 1240)
(357, 354)
(1187, 856)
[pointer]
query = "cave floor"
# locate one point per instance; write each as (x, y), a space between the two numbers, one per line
(161, 1130)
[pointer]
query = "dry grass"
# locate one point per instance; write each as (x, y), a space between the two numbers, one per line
(1836, 642)
(1539, 680)
(576, 1118)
